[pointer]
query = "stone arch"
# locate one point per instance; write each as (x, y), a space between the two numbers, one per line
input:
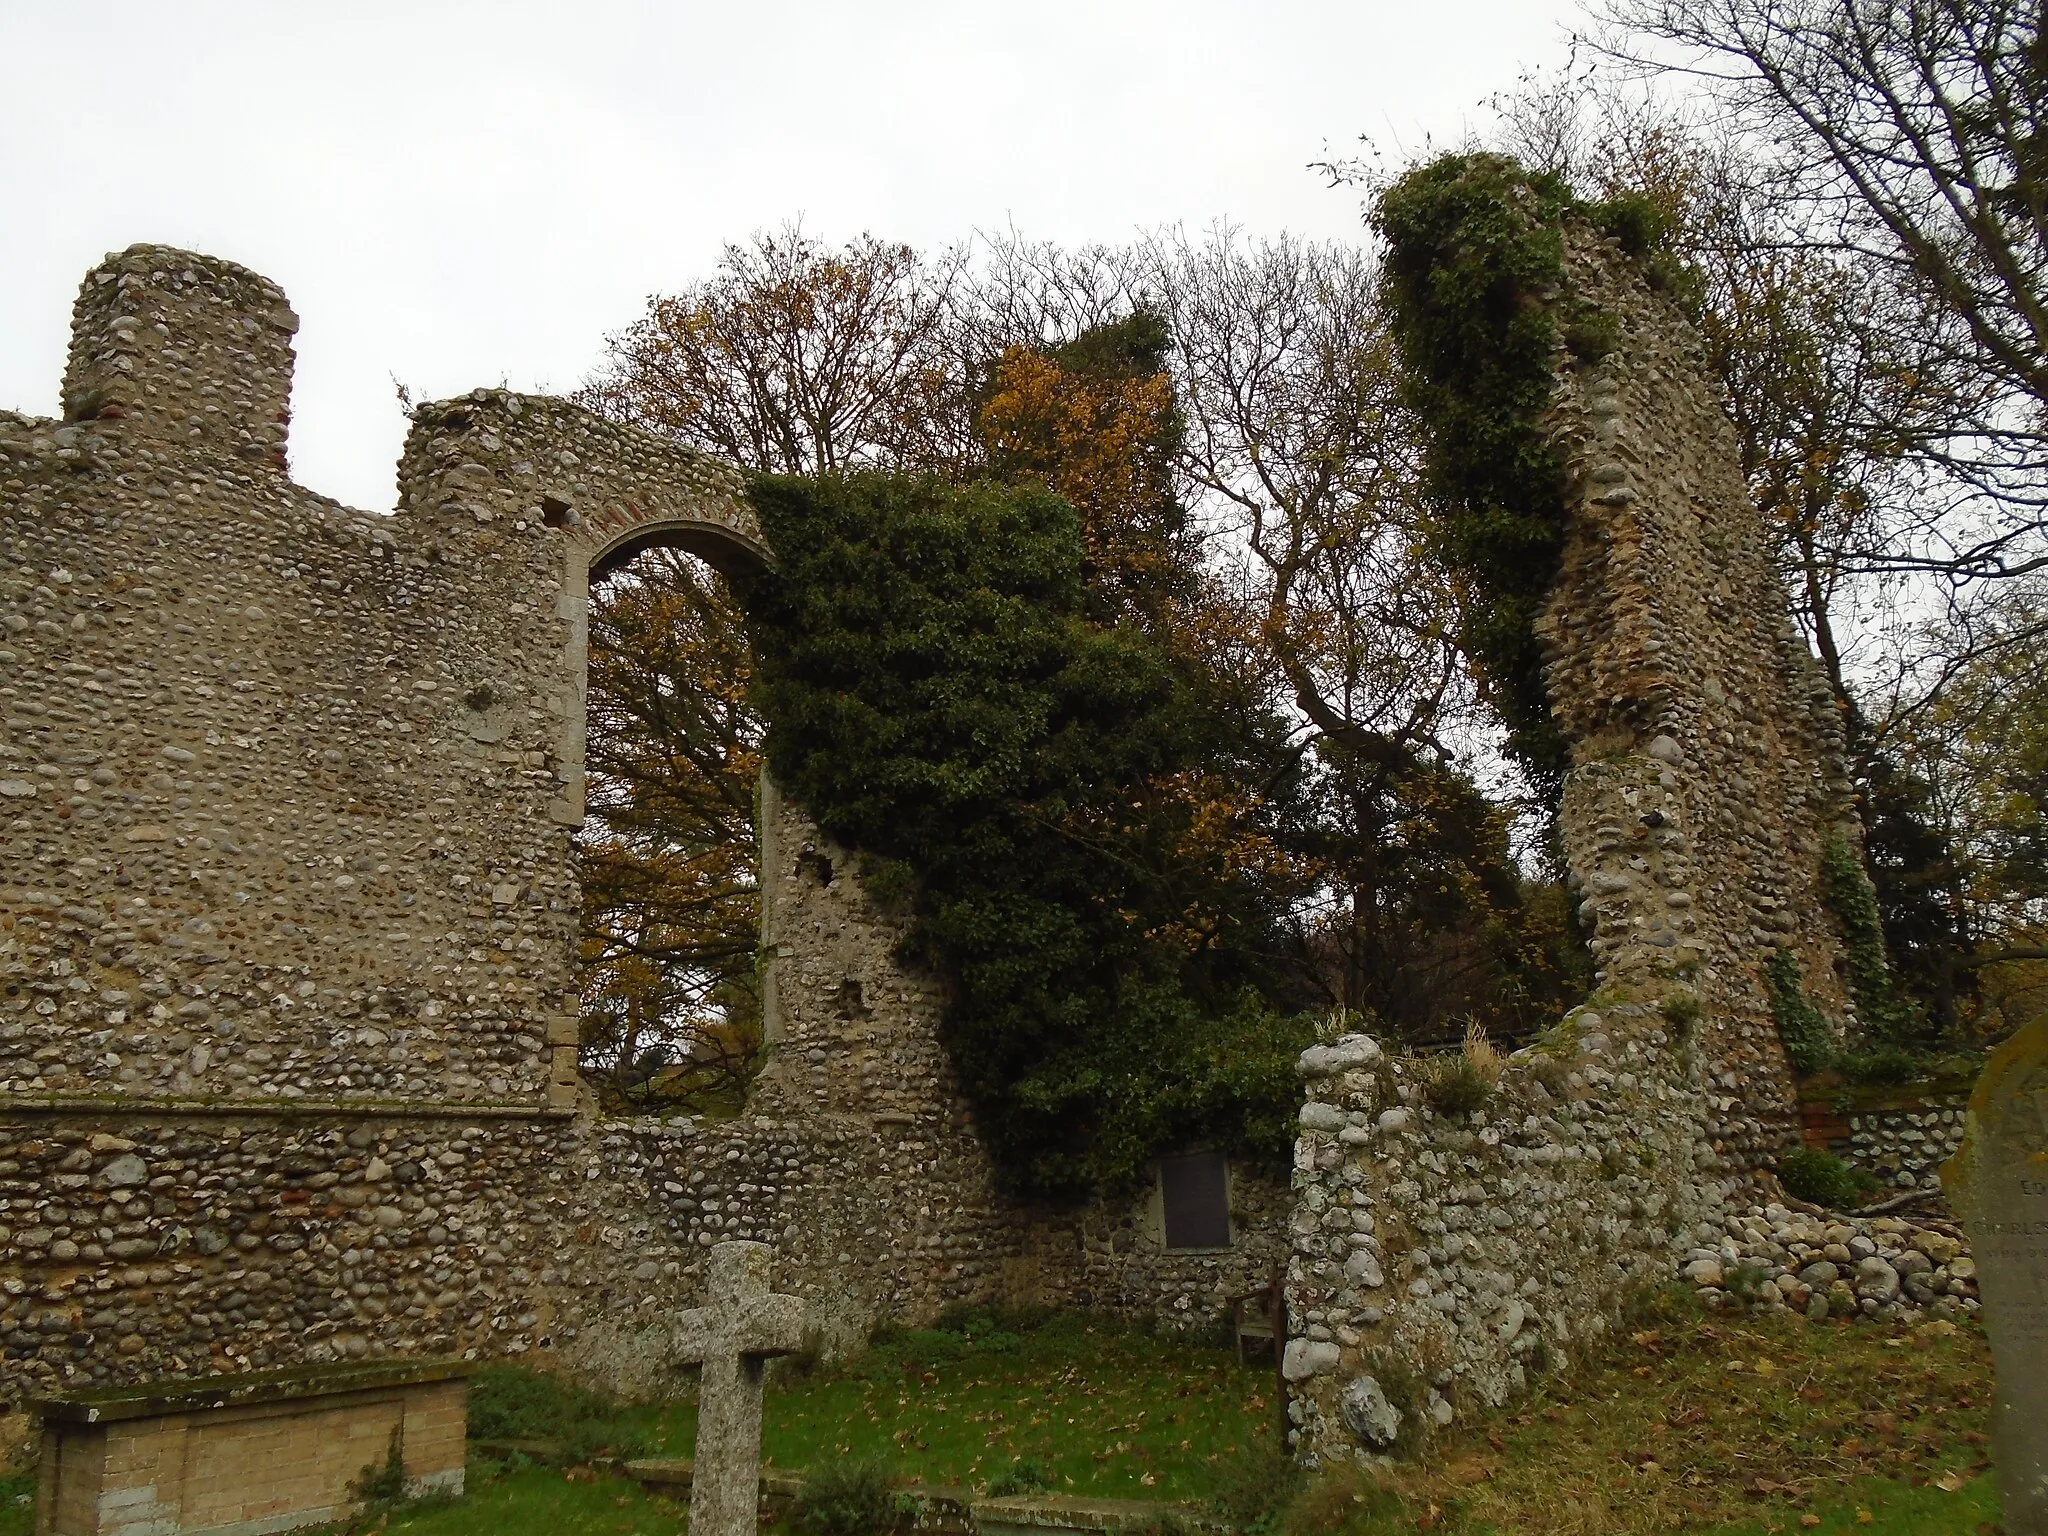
(599, 545)
(604, 543)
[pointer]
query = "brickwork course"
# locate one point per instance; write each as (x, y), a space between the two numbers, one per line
(238, 1457)
(288, 909)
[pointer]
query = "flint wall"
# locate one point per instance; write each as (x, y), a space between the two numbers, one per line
(1442, 1253)
(288, 904)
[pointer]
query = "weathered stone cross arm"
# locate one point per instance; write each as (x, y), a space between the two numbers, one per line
(759, 1325)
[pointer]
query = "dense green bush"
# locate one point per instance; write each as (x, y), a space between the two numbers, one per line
(848, 1498)
(1824, 1179)
(939, 698)
(507, 1402)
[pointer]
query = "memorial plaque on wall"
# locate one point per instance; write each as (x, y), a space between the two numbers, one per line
(1998, 1184)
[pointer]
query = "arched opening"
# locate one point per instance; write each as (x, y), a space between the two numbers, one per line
(669, 846)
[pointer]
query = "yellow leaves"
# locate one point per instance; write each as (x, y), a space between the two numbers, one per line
(1103, 443)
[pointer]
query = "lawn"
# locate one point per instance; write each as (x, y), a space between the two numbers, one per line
(1739, 1427)
(1717, 1426)
(1106, 1410)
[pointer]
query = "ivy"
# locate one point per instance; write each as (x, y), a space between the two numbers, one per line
(1809, 1042)
(1847, 889)
(1475, 260)
(939, 699)
(1475, 283)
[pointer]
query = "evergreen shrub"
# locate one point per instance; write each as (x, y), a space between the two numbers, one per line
(939, 698)
(1824, 1179)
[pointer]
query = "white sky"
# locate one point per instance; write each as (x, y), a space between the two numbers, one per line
(459, 194)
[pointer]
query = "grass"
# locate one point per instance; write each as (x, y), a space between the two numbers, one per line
(1718, 1426)
(17, 1513)
(1736, 1427)
(1106, 1411)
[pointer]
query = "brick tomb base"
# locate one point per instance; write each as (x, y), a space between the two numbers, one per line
(246, 1455)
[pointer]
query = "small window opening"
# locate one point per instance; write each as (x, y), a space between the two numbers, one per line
(1194, 1196)
(554, 512)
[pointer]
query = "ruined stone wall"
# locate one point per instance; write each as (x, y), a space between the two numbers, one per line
(1439, 1258)
(288, 904)
(1707, 757)
(1440, 1253)
(288, 909)
(1111, 1256)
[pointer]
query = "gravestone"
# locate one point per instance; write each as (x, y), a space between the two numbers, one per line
(1998, 1184)
(732, 1338)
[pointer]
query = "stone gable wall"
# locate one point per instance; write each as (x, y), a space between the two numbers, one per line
(288, 908)
(1707, 757)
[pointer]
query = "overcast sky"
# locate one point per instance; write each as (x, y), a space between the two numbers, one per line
(459, 194)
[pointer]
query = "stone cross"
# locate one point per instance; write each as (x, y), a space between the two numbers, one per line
(732, 1339)
(1998, 1184)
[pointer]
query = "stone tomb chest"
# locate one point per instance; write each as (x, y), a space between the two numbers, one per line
(242, 1455)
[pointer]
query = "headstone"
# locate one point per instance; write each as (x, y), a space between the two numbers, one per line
(1998, 1184)
(732, 1338)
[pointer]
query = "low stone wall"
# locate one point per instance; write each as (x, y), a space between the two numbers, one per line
(1901, 1139)
(1112, 1257)
(1770, 1258)
(134, 1248)
(1438, 1256)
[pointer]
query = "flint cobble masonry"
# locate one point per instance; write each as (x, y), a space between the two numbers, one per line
(288, 906)
(1460, 1252)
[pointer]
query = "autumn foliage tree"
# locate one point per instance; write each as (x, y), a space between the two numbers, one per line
(671, 904)
(792, 357)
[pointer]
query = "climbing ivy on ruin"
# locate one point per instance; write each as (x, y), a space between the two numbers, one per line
(1012, 771)
(1474, 277)
(1809, 1042)
(1886, 1015)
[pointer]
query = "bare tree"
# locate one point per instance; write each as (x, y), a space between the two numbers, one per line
(1305, 457)
(1906, 135)
(800, 359)
(1305, 463)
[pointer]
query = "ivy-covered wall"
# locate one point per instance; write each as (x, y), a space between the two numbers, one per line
(1621, 603)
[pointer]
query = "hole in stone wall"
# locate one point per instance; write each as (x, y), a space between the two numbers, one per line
(816, 865)
(554, 513)
(669, 853)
